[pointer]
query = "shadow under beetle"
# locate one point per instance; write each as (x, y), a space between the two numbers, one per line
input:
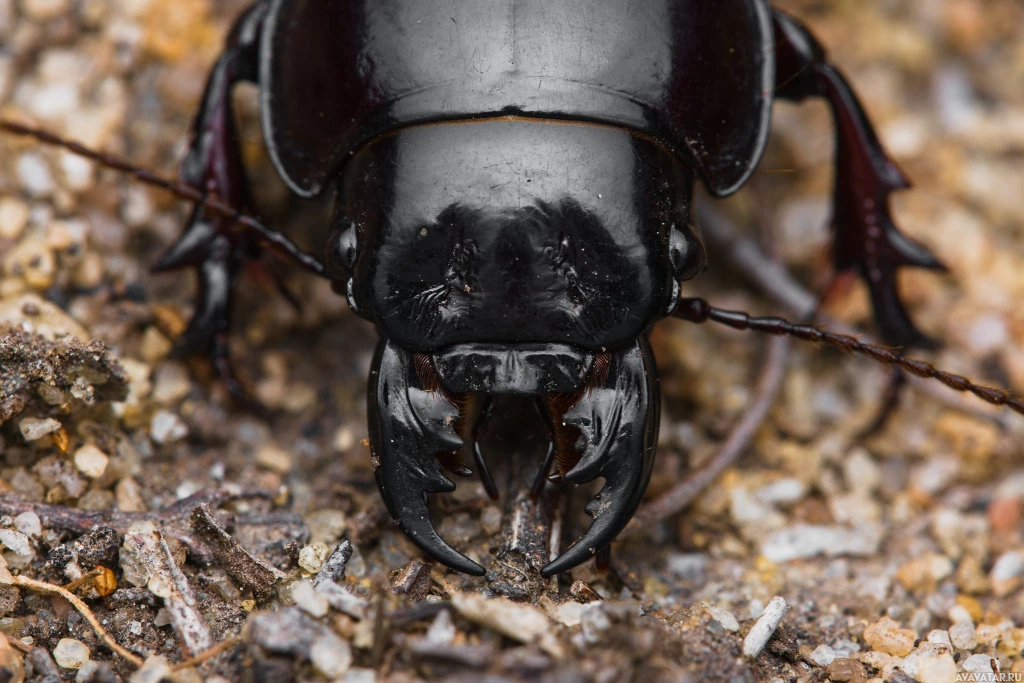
(514, 184)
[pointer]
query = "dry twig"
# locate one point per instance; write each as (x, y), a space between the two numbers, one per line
(206, 655)
(83, 609)
(687, 490)
(250, 572)
(774, 280)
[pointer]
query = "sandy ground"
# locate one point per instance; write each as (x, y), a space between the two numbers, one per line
(900, 555)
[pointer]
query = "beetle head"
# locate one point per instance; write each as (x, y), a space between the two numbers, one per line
(514, 232)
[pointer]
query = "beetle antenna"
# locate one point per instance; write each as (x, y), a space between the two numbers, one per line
(700, 311)
(270, 238)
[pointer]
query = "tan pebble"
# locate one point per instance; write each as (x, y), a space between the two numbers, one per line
(986, 633)
(91, 461)
(312, 557)
(32, 261)
(70, 653)
(934, 666)
(88, 274)
(886, 635)
(344, 439)
(65, 235)
(972, 606)
(11, 660)
(923, 573)
(14, 215)
(34, 175)
(971, 438)
(33, 428)
(962, 635)
(970, 576)
(844, 669)
(128, 496)
(42, 10)
(105, 582)
(40, 316)
(77, 173)
(169, 320)
(155, 346)
(274, 459)
(171, 383)
(299, 397)
(1018, 667)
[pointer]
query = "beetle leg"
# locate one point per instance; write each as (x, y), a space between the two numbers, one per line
(479, 427)
(214, 245)
(866, 239)
(617, 419)
(409, 425)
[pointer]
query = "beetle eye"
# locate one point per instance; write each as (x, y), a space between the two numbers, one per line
(686, 254)
(343, 248)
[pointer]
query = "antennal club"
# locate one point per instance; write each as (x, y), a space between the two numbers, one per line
(700, 311)
(271, 238)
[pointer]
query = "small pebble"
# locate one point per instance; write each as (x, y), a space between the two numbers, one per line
(34, 175)
(16, 542)
(1006, 572)
(924, 572)
(940, 637)
(935, 666)
(725, 618)
(171, 383)
(71, 653)
(803, 541)
(91, 461)
(154, 670)
(490, 520)
(87, 672)
(33, 428)
(442, 630)
(690, 567)
(309, 601)
(962, 636)
(846, 670)
(886, 635)
(312, 557)
(823, 655)
(28, 523)
(14, 215)
(344, 439)
(274, 459)
(330, 655)
(978, 664)
(167, 427)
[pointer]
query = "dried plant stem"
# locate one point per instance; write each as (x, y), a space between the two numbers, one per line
(683, 493)
(771, 278)
(212, 652)
(83, 609)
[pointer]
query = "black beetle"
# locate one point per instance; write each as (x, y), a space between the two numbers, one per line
(514, 187)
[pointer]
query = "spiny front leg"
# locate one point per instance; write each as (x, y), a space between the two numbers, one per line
(410, 424)
(866, 239)
(215, 245)
(617, 421)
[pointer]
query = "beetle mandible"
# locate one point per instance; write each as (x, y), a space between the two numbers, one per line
(514, 185)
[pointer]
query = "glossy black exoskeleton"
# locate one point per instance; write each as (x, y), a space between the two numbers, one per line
(514, 182)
